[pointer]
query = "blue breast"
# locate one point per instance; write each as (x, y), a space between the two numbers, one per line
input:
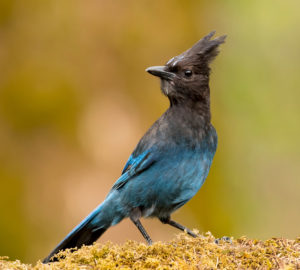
(172, 180)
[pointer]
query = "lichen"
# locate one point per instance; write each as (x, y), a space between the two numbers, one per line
(183, 252)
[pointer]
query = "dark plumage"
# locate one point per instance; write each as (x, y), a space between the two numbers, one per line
(173, 158)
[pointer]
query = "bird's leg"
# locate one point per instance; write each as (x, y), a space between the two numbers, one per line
(177, 225)
(135, 216)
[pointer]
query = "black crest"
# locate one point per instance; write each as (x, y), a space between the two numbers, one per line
(206, 47)
(201, 53)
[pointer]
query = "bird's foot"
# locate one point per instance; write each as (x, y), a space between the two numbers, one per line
(175, 224)
(224, 239)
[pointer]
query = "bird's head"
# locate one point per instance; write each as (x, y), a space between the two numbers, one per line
(186, 76)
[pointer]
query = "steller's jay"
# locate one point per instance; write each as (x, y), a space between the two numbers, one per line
(173, 158)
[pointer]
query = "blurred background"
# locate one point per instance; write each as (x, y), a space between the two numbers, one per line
(75, 99)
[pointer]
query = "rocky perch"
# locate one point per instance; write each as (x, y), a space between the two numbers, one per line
(182, 253)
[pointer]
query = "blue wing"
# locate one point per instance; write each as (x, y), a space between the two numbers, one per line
(136, 165)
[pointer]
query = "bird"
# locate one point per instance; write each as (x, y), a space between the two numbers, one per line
(171, 161)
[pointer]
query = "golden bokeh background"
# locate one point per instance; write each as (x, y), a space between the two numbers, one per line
(75, 99)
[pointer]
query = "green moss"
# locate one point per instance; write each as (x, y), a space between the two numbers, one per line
(182, 253)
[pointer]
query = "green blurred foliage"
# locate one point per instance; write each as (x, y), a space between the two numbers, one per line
(75, 99)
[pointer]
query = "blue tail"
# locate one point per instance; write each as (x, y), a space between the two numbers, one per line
(86, 233)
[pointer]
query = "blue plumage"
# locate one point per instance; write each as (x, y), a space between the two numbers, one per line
(171, 161)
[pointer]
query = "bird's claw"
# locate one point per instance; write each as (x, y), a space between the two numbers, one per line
(224, 238)
(192, 234)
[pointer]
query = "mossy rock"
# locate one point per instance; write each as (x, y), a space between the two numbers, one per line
(182, 253)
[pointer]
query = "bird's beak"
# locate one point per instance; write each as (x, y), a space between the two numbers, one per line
(160, 71)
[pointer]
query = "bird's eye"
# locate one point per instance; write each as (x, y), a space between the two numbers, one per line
(188, 73)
